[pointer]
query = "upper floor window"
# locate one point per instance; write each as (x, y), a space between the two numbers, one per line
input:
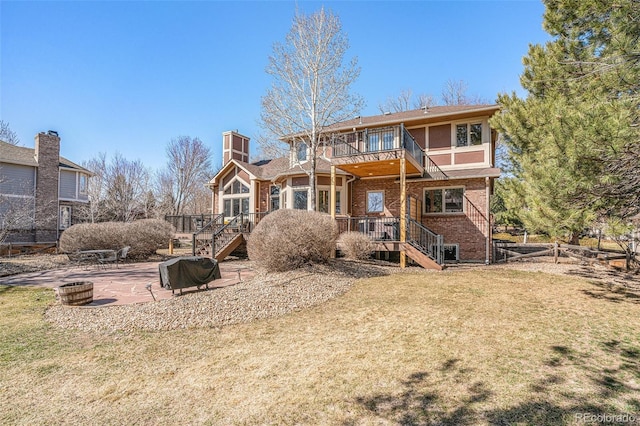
(302, 151)
(443, 200)
(375, 201)
(468, 134)
(236, 187)
(387, 141)
(82, 184)
(373, 141)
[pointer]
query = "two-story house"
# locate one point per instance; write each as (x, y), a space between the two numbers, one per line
(418, 182)
(41, 192)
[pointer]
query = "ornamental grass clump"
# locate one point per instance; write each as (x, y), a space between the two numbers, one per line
(356, 245)
(289, 239)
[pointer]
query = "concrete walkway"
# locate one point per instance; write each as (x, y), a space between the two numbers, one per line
(126, 284)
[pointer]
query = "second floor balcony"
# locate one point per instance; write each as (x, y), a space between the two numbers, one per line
(376, 152)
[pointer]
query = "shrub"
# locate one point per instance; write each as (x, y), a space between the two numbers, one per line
(148, 235)
(356, 245)
(90, 236)
(289, 239)
(143, 236)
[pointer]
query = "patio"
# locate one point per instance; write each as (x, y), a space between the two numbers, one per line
(126, 284)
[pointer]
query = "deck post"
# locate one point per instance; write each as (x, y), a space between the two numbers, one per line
(332, 201)
(403, 211)
(333, 192)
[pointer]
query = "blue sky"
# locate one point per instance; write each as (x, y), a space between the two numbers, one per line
(127, 77)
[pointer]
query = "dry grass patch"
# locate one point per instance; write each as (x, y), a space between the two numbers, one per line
(467, 347)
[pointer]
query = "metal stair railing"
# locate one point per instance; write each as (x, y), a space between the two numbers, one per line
(205, 234)
(425, 240)
(433, 170)
(476, 216)
(227, 232)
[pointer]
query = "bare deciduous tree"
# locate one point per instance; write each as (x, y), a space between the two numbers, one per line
(424, 100)
(8, 135)
(16, 214)
(400, 103)
(95, 210)
(406, 101)
(125, 188)
(455, 93)
(310, 85)
(180, 185)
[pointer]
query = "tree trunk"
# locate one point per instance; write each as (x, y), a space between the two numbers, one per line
(312, 181)
(574, 239)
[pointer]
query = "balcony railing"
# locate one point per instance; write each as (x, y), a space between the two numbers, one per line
(377, 140)
(378, 228)
(189, 223)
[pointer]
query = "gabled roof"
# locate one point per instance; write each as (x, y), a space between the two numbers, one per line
(26, 156)
(276, 168)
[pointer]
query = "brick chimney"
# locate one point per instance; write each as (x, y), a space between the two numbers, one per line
(47, 155)
(234, 146)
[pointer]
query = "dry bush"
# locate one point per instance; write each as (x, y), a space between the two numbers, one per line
(356, 245)
(93, 236)
(148, 235)
(143, 236)
(289, 239)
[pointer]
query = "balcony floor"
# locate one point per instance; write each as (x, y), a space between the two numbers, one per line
(377, 164)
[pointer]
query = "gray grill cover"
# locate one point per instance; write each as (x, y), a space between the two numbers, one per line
(188, 271)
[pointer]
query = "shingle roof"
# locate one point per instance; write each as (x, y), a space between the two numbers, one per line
(412, 115)
(26, 156)
(271, 169)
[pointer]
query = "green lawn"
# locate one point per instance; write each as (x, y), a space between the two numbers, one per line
(458, 347)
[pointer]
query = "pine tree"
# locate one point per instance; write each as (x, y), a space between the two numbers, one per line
(579, 120)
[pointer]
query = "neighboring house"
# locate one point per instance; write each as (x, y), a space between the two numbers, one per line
(40, 191)
(418, 182)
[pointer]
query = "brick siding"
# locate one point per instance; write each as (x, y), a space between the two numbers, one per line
(455, 228)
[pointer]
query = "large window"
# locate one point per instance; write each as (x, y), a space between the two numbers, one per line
(236, 187)
(324, 201)
(468, 134)
(300, 199)
(375, 201)
(444, 200)
(274, 198)
(235, 206)
(235, 199)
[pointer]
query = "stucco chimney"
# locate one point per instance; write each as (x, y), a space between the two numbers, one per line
(234, 146)
(47, 155)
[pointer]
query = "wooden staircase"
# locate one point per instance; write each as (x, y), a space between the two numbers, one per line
(218, 240)
(421, 258)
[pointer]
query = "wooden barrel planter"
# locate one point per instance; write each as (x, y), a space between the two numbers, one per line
(76, 294)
